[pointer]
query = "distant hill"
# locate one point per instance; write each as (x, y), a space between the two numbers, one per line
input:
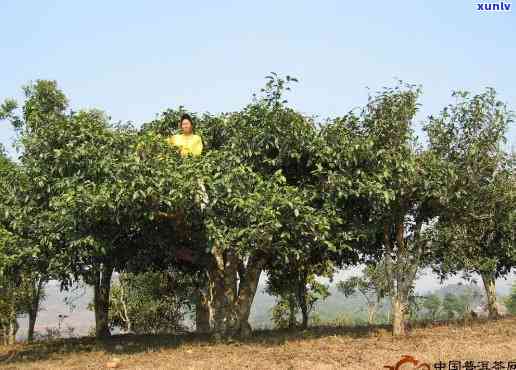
(459, 289)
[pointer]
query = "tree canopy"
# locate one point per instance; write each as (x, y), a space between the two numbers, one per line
(283, 194)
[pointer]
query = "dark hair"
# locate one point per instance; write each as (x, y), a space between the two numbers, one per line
(186, 116)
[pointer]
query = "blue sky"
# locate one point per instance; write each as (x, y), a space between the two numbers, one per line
(133, 59)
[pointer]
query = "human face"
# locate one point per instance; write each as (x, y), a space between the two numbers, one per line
(186, 126)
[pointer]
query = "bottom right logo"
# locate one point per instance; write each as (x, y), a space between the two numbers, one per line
(408, 362)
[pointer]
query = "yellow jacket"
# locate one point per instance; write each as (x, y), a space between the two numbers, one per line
(188, 144)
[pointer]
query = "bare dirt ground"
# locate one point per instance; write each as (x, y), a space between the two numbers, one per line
(316, 348)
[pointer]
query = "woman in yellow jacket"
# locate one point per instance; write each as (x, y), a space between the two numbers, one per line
(188, 144)
(187, 141)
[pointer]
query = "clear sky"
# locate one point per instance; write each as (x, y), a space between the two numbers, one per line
(133, 59)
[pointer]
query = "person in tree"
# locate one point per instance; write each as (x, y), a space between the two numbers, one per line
(188, 143)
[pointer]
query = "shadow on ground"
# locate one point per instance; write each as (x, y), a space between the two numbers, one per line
(131, 343)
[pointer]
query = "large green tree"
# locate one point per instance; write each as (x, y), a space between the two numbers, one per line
(102, 186)
(477, 230)
(384, 187)
(83, 189)
(259, 215)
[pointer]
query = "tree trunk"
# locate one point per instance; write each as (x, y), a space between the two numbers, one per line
(490, 288)
(396, 312)
(301, 299)
(126, 311)
(202, 317)
(13, 329)
(32, 324)
(12, 325)
(215, 271)
(246, 293)
(231, 291)
(402, 271)
(398, 316)
(102, 288)
(203, 311)
(233, 287)
(34, 307)
(304, 315)
(292, 314)
(371, 313)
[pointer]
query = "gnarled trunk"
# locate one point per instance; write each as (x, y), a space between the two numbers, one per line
(401, 271)
(101, 290)
(490, 288)
(233, 285)
(398, 310)
(219, 301)
(247, 291)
